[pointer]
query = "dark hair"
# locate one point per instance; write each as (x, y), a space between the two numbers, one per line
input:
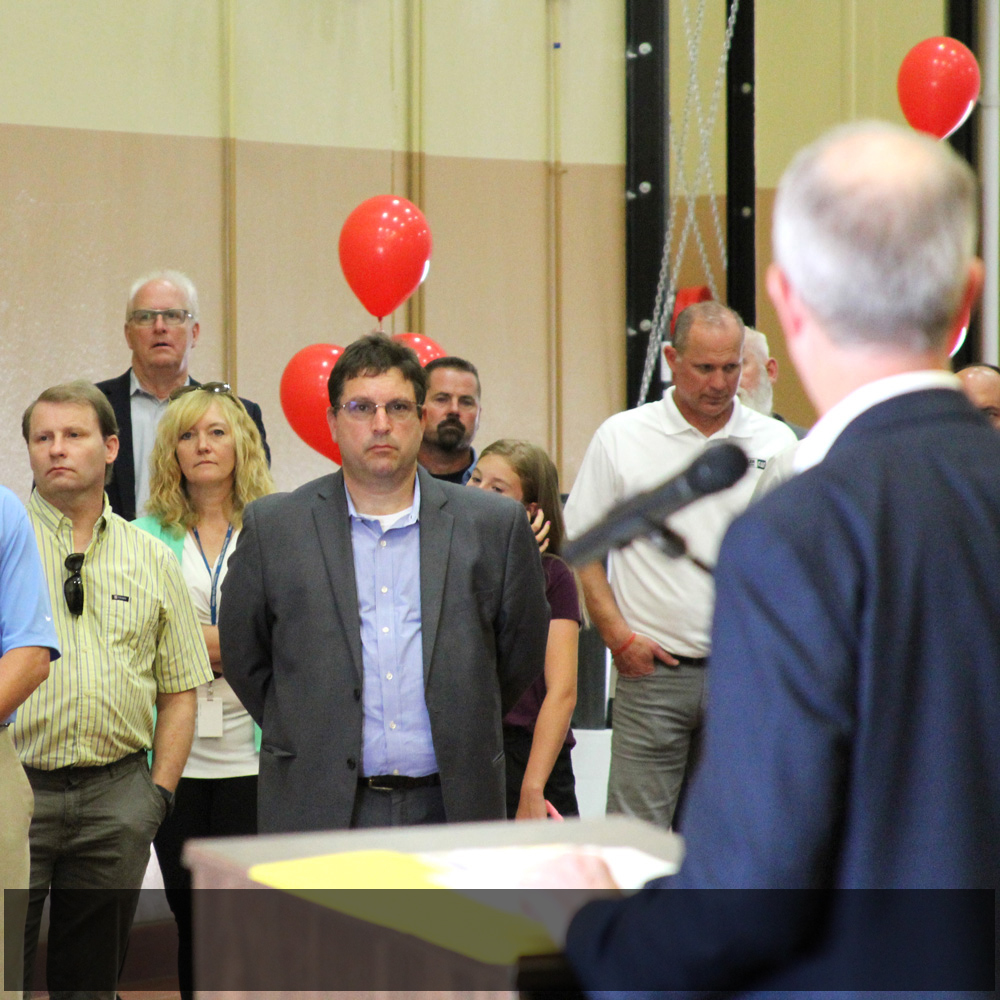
(712, 313)
(85, 394)
(458, 364)
(374, 355)
(978, 364)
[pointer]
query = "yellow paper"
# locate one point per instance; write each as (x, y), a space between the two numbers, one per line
(369, 885)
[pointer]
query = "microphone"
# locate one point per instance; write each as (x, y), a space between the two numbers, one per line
(716, 469)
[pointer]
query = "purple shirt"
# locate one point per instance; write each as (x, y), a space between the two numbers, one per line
(564, 602)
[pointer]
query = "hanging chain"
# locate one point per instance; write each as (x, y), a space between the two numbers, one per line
(666, 289)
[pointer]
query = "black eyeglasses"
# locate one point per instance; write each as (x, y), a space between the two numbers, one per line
(223, 387)
(73, 587)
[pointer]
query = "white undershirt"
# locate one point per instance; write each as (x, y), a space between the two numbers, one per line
(232, 755)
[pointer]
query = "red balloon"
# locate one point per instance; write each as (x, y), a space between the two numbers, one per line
(424, 348)
(938, 85)
(305, 399)
(688, 297)
(385, 251)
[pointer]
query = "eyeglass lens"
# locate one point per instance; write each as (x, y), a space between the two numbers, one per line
(171, 317)
(73, 587)
(365, 409)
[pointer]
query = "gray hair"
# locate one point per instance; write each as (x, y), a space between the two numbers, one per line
(756, 354)
(874, 226)
(755, 343)
(711, 313)
(176, 278)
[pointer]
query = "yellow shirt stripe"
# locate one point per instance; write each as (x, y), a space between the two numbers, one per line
(138, 635)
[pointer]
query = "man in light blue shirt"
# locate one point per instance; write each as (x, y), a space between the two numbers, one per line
(387, 571)
(27, 643)
(378, 623)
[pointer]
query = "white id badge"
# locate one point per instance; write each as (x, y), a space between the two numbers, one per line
(209, 716)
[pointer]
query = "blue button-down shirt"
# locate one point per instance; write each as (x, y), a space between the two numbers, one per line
(146, 413)
(397, 729)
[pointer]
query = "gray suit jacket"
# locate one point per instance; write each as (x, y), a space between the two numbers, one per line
(291, 645)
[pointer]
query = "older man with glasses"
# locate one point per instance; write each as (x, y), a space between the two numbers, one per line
(377, 623)
(161, 330)
(132, 652)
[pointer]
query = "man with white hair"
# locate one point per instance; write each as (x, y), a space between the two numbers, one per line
(853, 739)
(161, 330)
(758, 378)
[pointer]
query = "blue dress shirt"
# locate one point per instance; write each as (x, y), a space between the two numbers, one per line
(397, 729)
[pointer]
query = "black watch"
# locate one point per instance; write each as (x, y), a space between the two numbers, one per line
(168, 797)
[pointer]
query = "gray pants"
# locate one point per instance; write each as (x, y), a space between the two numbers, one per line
(15, 794)
(90, 838)
(413, 807)
(655, 740)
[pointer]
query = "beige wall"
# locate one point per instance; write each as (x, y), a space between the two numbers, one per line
(820, 63)
(231, 139)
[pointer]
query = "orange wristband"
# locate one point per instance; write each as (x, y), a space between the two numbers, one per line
(615, 653)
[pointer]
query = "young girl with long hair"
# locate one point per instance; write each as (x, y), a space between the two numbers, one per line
(537, 737)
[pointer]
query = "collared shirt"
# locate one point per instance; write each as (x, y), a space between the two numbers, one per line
(831, 425)
(669, 600)
(397, 728)
(461, 477)
(146, 413)
(138, 636)
(25, 612)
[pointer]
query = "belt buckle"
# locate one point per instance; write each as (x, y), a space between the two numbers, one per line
(371, 783)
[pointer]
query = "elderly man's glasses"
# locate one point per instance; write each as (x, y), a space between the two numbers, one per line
(221, 387)
(362, 411)
(73, 587)
(171, 317)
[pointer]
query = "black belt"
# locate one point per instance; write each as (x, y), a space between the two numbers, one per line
(73, 769)
(398, 782)
(689, 661)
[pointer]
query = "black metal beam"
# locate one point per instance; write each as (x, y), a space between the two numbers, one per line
(962, 22)
(741, 172)
(646, 178)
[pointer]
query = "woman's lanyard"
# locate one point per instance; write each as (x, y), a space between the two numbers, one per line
(213, 600)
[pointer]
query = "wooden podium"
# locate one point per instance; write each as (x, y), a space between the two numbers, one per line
(251, 937)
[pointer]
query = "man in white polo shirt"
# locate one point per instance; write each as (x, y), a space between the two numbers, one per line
(654, 613)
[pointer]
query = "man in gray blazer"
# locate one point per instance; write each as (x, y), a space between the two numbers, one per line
(378, 623)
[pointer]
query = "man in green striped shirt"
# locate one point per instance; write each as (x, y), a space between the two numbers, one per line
(131, 644)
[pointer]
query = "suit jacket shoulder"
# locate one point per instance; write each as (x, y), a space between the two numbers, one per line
(121, 489)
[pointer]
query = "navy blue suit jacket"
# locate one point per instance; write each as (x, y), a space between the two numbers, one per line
(121, 489)
(852, 737)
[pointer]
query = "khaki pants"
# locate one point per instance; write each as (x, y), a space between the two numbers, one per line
(655, 740)
(16, 803)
